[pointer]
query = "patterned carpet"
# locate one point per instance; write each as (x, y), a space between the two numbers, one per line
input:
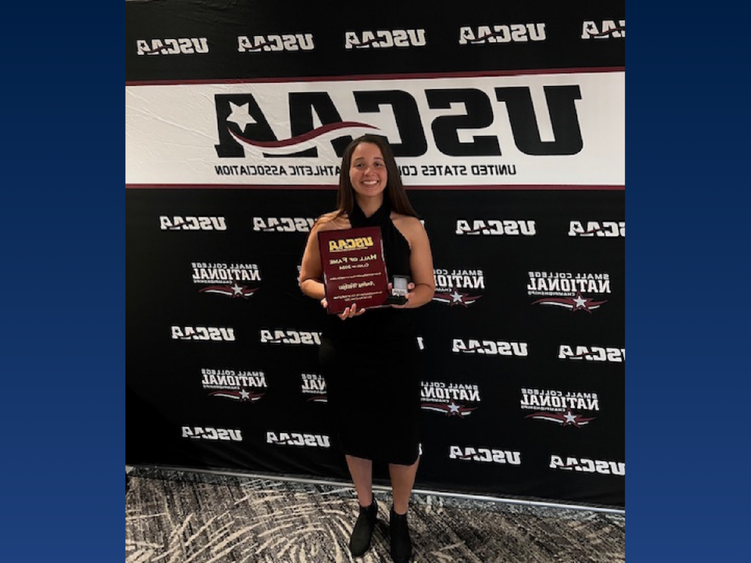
(190, 517)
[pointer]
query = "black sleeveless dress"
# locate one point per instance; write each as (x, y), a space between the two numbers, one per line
(371, 364)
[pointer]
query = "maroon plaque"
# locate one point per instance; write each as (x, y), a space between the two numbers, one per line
(354, 271)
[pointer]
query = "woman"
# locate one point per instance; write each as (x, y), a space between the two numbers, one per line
(370, 357)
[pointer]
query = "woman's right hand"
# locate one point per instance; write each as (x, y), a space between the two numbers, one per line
(348, 312)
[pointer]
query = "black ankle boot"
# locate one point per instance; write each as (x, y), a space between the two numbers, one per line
(359, 542)
(401, 545)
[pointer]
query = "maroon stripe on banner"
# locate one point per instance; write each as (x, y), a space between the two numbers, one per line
(499, 187)
(519, 187)
(229, 187)
(305, 136)
(358, 77)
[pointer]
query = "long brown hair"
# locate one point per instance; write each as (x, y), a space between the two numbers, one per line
(394, 194)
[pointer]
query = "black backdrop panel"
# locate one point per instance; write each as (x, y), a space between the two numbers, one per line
(530, 35)
(489, 353)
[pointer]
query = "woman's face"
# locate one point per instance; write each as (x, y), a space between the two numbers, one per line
(367, 171)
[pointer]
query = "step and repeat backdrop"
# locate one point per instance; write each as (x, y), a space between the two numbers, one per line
(508, 123)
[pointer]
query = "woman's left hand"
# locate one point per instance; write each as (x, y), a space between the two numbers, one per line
(410, 287)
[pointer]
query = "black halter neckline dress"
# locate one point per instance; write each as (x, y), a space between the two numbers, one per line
(371, 364)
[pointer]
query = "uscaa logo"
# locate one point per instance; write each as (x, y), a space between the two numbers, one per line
(275, 43)
(517, 32)
(458, 287)
(496, 227)
(298, 439)
(489, 347)
(226, 279)
(283, 224)
(192, 223)
(484, 455)
(588, 465)
(451, 399)
(591, 353)
(385, 39)
(214, 434)
(203, 333)
(290, 336)
(172, 46)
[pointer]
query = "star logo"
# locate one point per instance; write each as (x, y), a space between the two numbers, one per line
(455, 297)
(569, 418)
(564, 419)
(242, 395)
(573, 304)
(451, 409)
(233, 291)
(579, 301)
(240, 116)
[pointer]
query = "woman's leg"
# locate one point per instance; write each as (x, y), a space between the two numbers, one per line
(361, 471)
(402, 481)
